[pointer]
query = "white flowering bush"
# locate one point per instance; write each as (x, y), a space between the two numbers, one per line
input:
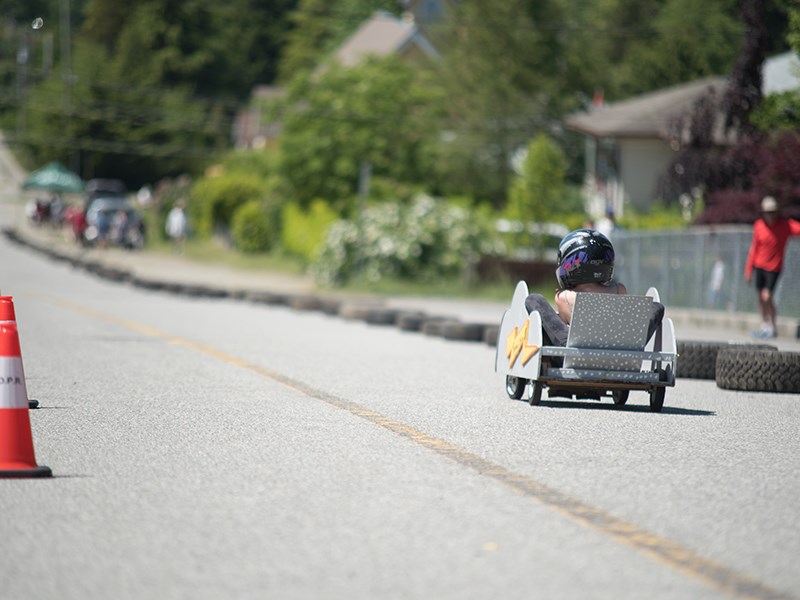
(424, 240)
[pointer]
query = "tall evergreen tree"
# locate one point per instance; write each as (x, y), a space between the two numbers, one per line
(307, 39)
(156, 84)
(502, 75)
(689, 40)
(318, 26)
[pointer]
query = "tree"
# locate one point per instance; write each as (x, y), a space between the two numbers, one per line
(307, 39)
(689, 40)
(627, 47)
(138, 134)
(743, 94)
(772, 166)
(215, 48)
(155, 85)
(379, 112)
(758, 162)
(503, 74)
(534, 195)
(782, 111)
(166, 78)
(793, 35)
(26, 55)
(318, 26)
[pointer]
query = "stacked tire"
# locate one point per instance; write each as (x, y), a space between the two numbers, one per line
(758, 371)
(742, 367)
(698, 360)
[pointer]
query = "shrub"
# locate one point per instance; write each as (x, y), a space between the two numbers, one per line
(215, 199)
(731, 206)
(425, 239)
(778, 111)
(303, 232)
(772, 167)
(660, 216)
(252, 228)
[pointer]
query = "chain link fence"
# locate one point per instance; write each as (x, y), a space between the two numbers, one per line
(701, 268)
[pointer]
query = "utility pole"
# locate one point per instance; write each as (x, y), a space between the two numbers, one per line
(23, 54)
(66, 55)
(364, 178)
(66, 76)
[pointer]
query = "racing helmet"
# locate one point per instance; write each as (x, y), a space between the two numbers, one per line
(584, 256)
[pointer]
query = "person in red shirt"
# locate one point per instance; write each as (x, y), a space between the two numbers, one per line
(771, 233)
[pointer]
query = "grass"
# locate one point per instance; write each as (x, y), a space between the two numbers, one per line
(500, 290)
(218, 253)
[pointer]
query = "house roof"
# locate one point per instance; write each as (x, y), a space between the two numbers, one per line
(647, 115)
(381, 35)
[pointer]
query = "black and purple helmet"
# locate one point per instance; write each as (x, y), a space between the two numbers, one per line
(584, 256)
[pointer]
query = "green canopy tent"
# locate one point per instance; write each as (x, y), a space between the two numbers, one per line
(54, 177)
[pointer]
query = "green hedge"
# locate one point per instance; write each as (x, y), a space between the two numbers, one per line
(253, 228)
(303, 232)
(214, 200)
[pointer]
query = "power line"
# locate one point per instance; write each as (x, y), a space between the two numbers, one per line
(111, 147)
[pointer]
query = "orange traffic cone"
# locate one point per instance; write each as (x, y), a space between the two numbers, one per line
(7, 310)
(16, 441)
(7, 315)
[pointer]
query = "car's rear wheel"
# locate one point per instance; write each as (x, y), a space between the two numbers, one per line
(536, 394)
(657, 399)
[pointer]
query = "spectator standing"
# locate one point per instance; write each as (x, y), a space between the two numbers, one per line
(104, 218)
(119, 228)
(177, 226)
(771, 233)
(715, 282)
(56, 210)
(608, 224)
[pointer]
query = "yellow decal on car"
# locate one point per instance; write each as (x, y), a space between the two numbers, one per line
(517, 343)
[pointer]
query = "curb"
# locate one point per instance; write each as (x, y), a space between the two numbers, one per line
(371, 311)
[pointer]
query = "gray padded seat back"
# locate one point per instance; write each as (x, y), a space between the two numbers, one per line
(608, 321)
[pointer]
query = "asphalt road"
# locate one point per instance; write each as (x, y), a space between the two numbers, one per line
(220, 449)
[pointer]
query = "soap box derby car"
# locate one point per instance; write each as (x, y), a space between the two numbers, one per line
(607, 353)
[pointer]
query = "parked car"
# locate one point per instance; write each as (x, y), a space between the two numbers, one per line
(113, 221)
(104, 188)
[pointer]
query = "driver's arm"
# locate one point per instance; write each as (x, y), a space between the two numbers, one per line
(565, 300)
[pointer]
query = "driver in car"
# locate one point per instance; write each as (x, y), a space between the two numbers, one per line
(585, 264)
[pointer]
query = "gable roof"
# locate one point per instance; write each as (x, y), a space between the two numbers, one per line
(648, 115)
(381, 35)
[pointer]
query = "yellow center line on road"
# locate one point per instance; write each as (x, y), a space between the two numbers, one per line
(660, 548)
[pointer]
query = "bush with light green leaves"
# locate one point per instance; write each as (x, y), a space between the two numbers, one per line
(304, 231)
(214, 200)
(252, 228)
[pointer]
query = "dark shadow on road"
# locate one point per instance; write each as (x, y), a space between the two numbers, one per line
(644, 408)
